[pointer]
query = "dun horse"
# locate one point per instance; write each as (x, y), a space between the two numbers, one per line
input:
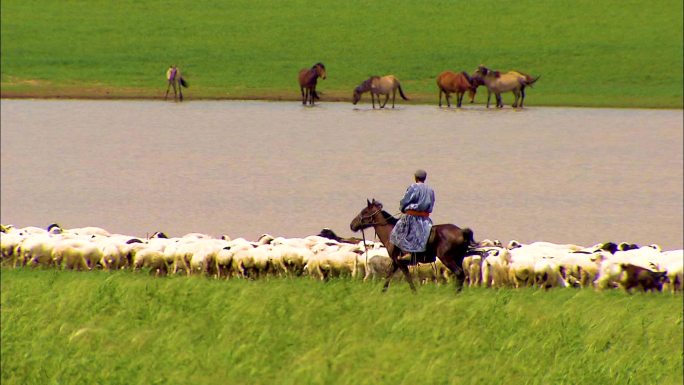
(449, 82)
(497, 83)
(175, 79)
(447, 242)
(307, 82)
(379, 86)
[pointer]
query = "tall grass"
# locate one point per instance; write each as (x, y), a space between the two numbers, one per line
(127, 328)
(598, 53)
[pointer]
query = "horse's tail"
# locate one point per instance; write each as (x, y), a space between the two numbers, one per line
(468, 236)
(183, 82)
(529, 80)
(401, 92)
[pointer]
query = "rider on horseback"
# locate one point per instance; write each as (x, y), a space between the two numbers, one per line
(413, 228)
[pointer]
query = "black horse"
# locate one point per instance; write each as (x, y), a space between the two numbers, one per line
(447, 242)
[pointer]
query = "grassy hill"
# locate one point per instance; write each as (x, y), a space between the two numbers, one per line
(590, 53)
(126, 328)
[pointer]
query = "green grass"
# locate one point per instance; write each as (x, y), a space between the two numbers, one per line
(592, 53)
(127, 328)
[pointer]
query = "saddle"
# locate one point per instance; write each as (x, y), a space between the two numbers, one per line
(427, 256)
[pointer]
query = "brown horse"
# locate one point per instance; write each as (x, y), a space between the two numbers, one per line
(447, 242)
(307, 82)
(496, 83)
(449, 82)
(379, 86)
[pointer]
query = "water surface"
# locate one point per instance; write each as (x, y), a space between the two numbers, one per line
(566, 175)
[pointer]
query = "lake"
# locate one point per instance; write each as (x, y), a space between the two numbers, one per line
(243, 168)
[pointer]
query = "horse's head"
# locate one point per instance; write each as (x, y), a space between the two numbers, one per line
(357, 95)
(320, 70)
(365, 217)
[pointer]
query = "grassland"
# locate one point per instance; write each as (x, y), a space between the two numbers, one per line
(589, 53)
(127, 328)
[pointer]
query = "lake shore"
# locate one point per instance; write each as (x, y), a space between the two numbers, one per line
(87, 93)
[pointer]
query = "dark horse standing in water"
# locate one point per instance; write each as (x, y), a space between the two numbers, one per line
(307, 82)
(447, 242)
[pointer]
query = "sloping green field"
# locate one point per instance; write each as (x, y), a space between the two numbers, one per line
(63, 327)
(589, 53)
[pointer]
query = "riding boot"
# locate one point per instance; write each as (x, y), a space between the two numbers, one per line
(408, 257)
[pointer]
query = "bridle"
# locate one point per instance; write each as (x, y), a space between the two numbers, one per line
(370, 216)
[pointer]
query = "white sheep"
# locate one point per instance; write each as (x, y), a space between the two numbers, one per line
(9, 241)
(36, 250)
(610, 271)
(78, 254)
(293, 258)
(252, 263)
(150, 258)
(672, 262)
(472, 267)
(495, 267)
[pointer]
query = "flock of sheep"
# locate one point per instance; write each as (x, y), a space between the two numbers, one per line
(323, 256)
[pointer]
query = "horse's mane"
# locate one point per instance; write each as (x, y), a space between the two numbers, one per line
(366, 84)
(389, 218)
(470, 80)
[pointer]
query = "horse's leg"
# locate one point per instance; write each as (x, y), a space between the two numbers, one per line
(301, 89)
(394, 96)
(395, 267)
(168, 87)
(440, 98)
(517, 97)
(459, 98)
(522, 96)
(459, 275)
(180, 91)
(386, 99)
(489, 96)
(404, 269)
(499, 100)
(312, 93)
(373, 99)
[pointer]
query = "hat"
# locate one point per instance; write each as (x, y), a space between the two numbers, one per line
(420, 174)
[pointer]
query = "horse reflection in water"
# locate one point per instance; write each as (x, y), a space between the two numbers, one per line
(447, 242)
(307, 82)
(377, 86)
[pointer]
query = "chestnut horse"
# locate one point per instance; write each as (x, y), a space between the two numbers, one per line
(174, 78)
(447, 242)
(449, 82)
(496, 83)
(307, 82)
(379, 86)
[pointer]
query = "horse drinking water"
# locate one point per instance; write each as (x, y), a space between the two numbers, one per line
(307, 82)
(447, 242)
(379, 86)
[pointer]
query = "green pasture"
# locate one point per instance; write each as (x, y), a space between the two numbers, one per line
(622, 53)
(126, 328)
